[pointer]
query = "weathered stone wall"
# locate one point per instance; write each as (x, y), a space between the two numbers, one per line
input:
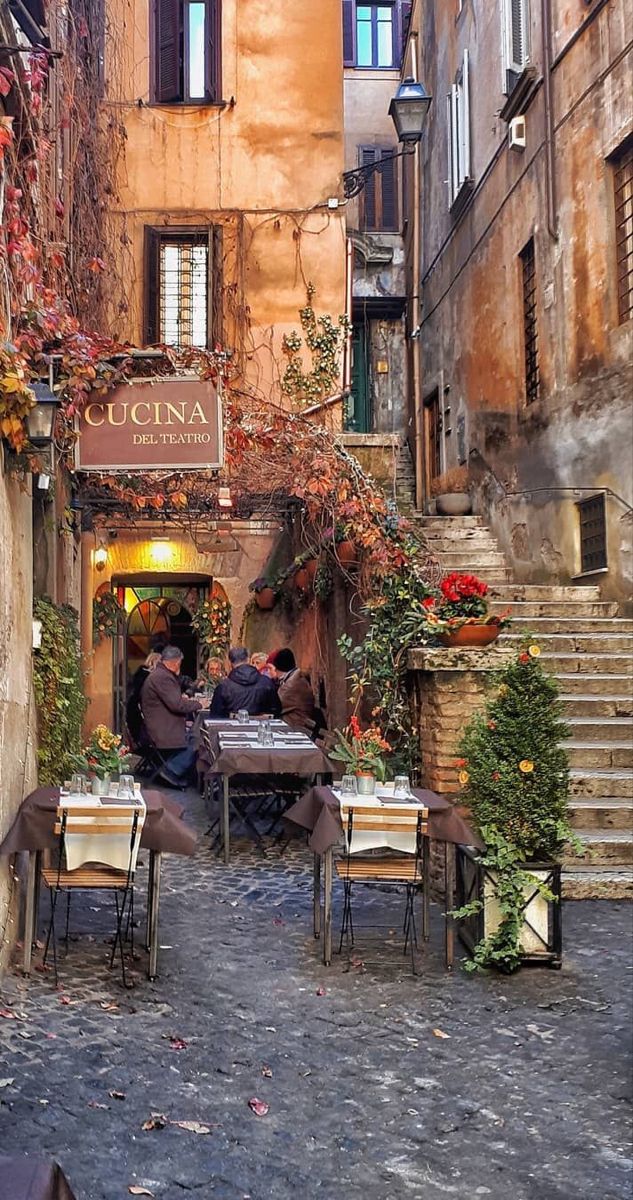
(17, 711)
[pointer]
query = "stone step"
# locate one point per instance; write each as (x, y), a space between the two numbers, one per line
(595, 625)
(449, 546)
(594, 707)
(611, 812)
(608, 846)
(599, 754)
(597, 883)
(545, 592)
(597, 684)
(598, 783)
(575, 643)
(619, 663)
(433, 522)
(476, 535)
(479, 563)
(525, 610)
(606, 729)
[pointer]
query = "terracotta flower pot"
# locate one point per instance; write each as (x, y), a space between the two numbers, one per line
(312, 567)
(347, 554)
(265, 599)
(471, 635)
(453, 504)
(301, 579)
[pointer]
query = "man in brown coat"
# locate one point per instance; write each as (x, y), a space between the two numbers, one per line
(295, 694)
(165, 712)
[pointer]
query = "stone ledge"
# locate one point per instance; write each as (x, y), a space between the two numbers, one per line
(459, 658)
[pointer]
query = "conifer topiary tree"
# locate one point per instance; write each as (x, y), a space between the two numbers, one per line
(515, 778)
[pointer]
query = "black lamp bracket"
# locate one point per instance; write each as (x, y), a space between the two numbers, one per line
(354, 181)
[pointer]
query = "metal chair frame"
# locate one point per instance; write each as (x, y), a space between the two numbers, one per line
(395, 819)
(121, 883)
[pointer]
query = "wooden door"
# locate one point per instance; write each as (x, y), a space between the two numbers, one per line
(432, 440)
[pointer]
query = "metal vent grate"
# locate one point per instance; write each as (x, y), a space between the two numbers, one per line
(530, 331)
(593, 533)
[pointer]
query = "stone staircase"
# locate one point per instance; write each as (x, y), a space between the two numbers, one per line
(589, 649)
(404, 484)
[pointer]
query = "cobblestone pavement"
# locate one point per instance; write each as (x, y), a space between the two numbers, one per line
(524, 1094)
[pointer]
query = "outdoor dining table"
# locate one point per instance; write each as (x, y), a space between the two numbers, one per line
(33, 830)
(319, 812)
(236, 751)
(32, 1179)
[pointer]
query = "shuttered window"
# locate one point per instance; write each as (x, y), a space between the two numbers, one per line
(182, 283)
(515, 15)
(623, 199)
(374, 34)
(186, 51)
(379, 198)
(530, 322)
(593, 533)
(458, 124)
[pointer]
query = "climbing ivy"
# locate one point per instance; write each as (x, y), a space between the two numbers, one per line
(58, 689)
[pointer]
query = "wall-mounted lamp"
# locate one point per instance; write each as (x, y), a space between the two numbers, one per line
(408, 111)
(224, 497)
(101, 558)
(160, 550)
(40, 421)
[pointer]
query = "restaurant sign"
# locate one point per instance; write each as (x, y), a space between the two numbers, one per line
(152, 425)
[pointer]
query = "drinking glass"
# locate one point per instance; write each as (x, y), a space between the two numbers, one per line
(78, 785)
(268, 738)
(126, 787)
(243, 716)
(349, 785)
(263, 729)
(401, 787)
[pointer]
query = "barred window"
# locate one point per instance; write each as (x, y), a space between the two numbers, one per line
(593, 533)
(623, 197)
(530, 330)
(182, 289)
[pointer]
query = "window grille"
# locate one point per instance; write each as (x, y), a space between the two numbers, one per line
(182, 289)
(593, 533)
(530, 330)
(458, 123)
(623, 197)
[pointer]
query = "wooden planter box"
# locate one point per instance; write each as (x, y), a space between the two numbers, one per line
(542, 931)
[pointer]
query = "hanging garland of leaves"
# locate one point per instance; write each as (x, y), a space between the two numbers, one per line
(106, 615)
(212, 623)
(58, 690)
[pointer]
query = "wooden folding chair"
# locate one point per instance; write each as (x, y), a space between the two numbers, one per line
(402, 867)
(124, 823)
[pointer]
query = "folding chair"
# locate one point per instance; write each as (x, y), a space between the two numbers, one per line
(95, 837)
(401, 822)
(152, 759)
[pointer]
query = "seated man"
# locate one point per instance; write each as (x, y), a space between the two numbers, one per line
(165, 712)
(295, 694)
(244, 688)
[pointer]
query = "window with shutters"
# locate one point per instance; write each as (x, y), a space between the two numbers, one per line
(458, 125)
(515, 15)
(378, 203)
(374, 34)
(181, 301)
(186, 51)
(622, 165)
(530, 325)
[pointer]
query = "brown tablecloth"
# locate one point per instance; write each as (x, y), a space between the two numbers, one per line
(32, 1179)
(34, 824)
(318, 811)
(267, 760)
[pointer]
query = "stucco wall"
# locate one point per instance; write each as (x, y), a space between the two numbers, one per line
(17, 714)
(579, 432)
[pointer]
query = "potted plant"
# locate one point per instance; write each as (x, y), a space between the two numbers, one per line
(312, 566)
(300, 575)
(342, 546)
(450, 491)
(265, 594)
(103, 756)
(515, 780)
(362, 753)
(458, 613)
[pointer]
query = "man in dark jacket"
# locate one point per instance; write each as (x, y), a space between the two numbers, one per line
(244, 688)
(295, 694)
(165, 712)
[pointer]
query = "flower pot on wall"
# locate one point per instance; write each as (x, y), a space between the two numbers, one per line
(471, 635)
(265, 599)
(312, 567)
(301, 579)
(453, 504)
(347, 554)
(541, 935)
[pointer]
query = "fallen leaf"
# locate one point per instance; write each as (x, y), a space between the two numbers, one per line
(266, 1072)
(96, 1104)
(66, 1000)
(7, 1014)
(259, 1107)
(321, 991)
(155, 1121)
(116, 1095)
(6, 1082)
(134, 1190)
(440, 1033)
(109, 1005)
(177, 1043)
(193, 1126)
(278, 921)
(546, 1035)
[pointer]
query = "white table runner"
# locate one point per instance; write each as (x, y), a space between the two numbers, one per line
(112, 850)
(369, 839)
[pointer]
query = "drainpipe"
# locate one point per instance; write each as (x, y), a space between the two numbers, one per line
(349, 283)
(87, 545)
(550, 153)
(416, 307)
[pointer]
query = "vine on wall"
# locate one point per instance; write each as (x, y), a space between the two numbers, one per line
(58, 689)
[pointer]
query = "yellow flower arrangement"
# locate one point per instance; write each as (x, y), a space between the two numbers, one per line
(526, 766)
(534, 651)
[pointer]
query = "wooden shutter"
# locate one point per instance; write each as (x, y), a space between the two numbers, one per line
(152, 247)
(167, 68)
(516, 35)
(349, 33)
(367, 203)
(213, 59)
(388, 216)
(464, 122)
(402, 20)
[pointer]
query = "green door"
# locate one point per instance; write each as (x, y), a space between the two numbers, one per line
(358, 416)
